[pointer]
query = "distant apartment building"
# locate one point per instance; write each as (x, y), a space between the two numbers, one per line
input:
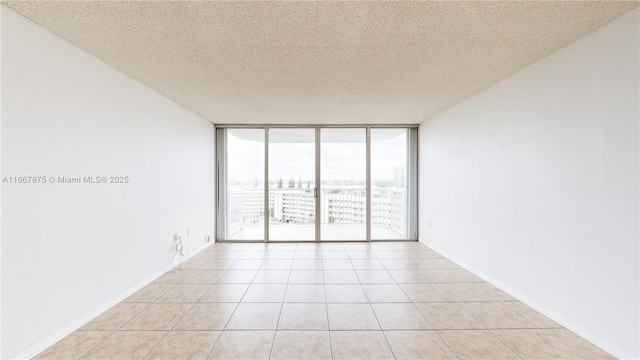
(338, 205)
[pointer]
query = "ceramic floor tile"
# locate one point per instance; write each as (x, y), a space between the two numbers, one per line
(295, 316)
(277, 264)
(217, 265)
(305, 293)
(335, 255)
(126, 345)
(400, 316)
(307, 264)
(465, 292)
(336, 264)
(581, 346)
(533, 316)
(296, 345)
(184, 293)
(432, 264)
(254, 255)
(445, 276)
(361, 255)
(404, 245)
(227, 255)
(247, 264)
(357, 246)
(306, 277)
(115, 317)
(425, 293)
(186, 345)
(535, 344)
(494, 315)
(265, 293)
(255, 316)
(422, 345)
(238, 277)
(352, 317)
(282, 255)
(191, 264)
(380, 246)
(74, 346)
(395, 264)
(355, 345)
(149, 293)
(308, 246)
(345, 294)
(375, 277)
(206, 316)
(448, 316)
(495, 292)
(404, 276)
(203, 277)
(174, 276)
(225, 293)
(385, 293)
(237, 345)
(332, 247)
(261, 247)
(307, 255)
(477, 344)
(158, 316)
(340, 277)
(321, 300)
(423, 254)
(272, 277)
(367, 264)
(387, 254)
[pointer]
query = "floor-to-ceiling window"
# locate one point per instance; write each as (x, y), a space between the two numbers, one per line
(343, 184)
(292, 174)
(241, 193)
(316, 183)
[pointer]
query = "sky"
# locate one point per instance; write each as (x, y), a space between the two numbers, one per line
(340, 161)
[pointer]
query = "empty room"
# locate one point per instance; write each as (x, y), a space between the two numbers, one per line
(320, 180)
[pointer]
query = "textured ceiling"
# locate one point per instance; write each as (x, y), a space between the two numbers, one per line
(319, 62)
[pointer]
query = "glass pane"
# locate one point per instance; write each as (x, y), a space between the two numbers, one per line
(245, 184)
(389, 180)
(343, 205)
(291, 185)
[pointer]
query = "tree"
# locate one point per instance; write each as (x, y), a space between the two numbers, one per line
(291, 183)
(300, 182)
(308, 184)
(255, 182)
(280, 183)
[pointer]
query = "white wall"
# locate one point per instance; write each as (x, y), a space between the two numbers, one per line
(533, 183)
(70, 250)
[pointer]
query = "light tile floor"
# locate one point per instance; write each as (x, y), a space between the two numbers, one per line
(320, 301)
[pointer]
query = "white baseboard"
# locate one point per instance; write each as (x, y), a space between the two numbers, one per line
(595, 339)
(45, 343)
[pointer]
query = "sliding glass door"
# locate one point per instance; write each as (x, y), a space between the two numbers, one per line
(316, 183)
(343, 184)
(292, 182)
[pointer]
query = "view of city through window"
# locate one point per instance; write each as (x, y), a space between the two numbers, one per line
(292, 189)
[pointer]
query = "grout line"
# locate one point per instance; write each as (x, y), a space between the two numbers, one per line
(234, 310)
(286, 289)
(326, 306)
